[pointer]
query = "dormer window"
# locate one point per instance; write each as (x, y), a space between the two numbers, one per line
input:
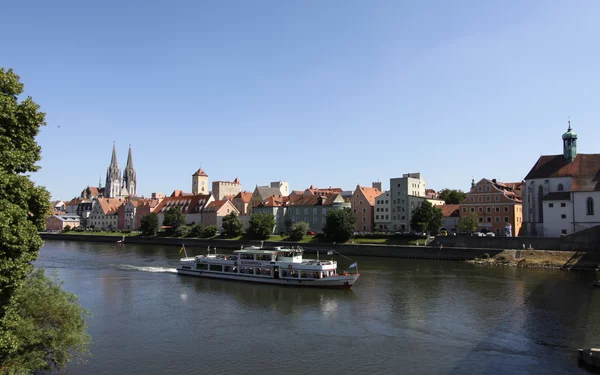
(561, 187)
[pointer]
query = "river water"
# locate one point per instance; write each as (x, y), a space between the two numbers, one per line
(401, 317)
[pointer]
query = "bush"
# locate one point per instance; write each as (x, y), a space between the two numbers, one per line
(486, 256)
(182, 231)
(209, 231)
(339, 225)
(149, 224)
(261, 226)
(232, 225)
(298, 231)
(67, 228)
(197, 230)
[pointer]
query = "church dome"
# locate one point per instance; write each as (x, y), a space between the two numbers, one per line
(570, 134)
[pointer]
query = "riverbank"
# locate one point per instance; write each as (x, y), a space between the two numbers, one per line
(567, 260)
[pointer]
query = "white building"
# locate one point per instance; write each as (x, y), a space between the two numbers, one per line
(407, 193)
(561, 192)
(383, 212)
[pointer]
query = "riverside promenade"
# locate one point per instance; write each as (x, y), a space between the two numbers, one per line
(571, 260)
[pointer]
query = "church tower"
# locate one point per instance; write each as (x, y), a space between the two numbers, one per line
(569, 144)
(113, 177)
(129, 180)
(199, 182)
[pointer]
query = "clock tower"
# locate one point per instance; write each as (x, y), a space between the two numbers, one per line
(200, 182)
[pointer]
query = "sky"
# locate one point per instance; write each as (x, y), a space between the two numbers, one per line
(323, 93)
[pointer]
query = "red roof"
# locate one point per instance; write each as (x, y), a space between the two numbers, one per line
(449, 210)
(215, 205)
(585, 170)
(370, 193)
(200, 172)
(244, 196)
(188, 204)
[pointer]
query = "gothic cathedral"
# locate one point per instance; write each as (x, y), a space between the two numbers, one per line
(117, 186)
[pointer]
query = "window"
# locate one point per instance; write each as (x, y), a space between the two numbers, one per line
(497, 219)
(394, 217)
(560, 187)
(550, 205)
(355, 210)
(497, 209)
(403, 217)
(364, 210)
(489, 219)
(360, 202)
(472, 199)
(488, 198)
(479, 199)
(563, 232)
(472, 209)
(506, 209)
(480, 209)
(479, 188)
(480, 219)
(590, 206)
(497, 198)
(306, 211)
(314, 211)
(464, 210)
(563, 205)
(297, 211)
(488, 209)
(563, 216)
(364, 218)
(376, 217)
(387, 217)
(506, 219)
(315, 220)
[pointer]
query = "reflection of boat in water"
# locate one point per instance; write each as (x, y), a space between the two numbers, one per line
(269, 265)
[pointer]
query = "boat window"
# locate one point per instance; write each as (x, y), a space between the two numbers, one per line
(284, 273)
(202, 266)
(292, 273)
(250, 271)
(246, 256)
(228, 269)
(216, 267)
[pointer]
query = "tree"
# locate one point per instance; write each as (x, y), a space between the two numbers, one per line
(261, 225)
(299, 230)
(232, 225)
(182, 231)
(339, 225)
(452, 196)
(197, 230)
(35, 325)
(209, 231)
(174, 218)
(67, 228)
(426, 218)
(46, 325)
(24, 207)
(149, 224)
(468, 223)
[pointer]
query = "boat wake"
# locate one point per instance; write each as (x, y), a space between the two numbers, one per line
(129, 267)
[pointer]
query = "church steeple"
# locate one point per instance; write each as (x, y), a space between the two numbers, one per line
(129, 179)
(569, 144)
(113, 177)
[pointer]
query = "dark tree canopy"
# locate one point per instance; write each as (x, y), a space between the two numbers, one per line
(41, 326)
(174, 218)
(261, 225)
(149, 224)
(24, 207)
(339, 225)
(452, 196)
(232, 225)
(426, 218)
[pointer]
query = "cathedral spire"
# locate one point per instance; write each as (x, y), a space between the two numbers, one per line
(113, 176)
(113, 159)
(129, 178)
(129, 159)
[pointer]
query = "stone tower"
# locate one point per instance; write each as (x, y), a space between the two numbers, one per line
(129, 180)
(113, 177)
(199, 182)
(569, 144)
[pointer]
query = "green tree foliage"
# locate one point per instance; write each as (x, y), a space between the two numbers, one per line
(426, 218)
(261, 225)
(182, 231)
(197, 230)
(45, 326)
(67, 228)
(298, 230)
(232, 225)
(452, 196)
(149, 224)
(174, 218)
(339, 225)
(209, 231)
(24, 207)
(468, 223)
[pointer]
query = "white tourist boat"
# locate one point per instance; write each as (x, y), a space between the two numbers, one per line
(269, 265)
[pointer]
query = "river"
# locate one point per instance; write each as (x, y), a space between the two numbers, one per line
(401, 317)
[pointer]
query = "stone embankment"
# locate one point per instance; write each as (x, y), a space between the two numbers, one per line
(484, 256)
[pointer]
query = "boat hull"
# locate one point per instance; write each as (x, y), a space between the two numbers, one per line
(339, 282)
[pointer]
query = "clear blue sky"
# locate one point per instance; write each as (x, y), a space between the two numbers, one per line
(329, 93)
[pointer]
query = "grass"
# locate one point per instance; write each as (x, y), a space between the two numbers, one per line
(91, 233)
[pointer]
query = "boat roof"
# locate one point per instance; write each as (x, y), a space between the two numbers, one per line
(256, 251)
(263, 250)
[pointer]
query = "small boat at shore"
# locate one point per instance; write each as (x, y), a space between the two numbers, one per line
(269, 265)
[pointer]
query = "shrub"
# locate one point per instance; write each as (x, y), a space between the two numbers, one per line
(298, 231)
(197, 230)
(182, 231)
(67, 228)
(209, 231)
(261, 225)
(486, 256)
(232, 225)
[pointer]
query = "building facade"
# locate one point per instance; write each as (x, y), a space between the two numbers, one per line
(313, 209)
(498, 206)
(215, 211)
(222, 189)
(57, 223)
(383, 209)
(200, 182)
(561, 192)
(363, 206)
